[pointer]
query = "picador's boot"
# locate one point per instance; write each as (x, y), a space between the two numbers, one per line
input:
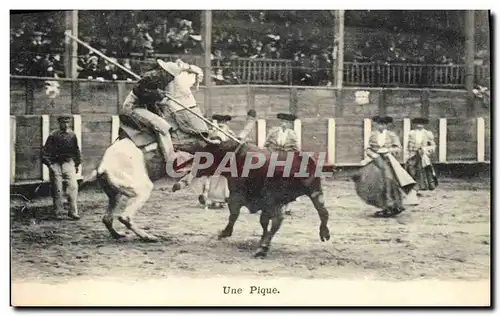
(167, 149)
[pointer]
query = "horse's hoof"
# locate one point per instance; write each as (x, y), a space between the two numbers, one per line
(74, 217)
(151, 239)
(125, 221)
(118, 235)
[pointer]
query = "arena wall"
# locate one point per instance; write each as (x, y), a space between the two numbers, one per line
(330, 120)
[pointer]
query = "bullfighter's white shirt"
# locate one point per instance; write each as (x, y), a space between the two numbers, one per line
(419, 137)
(381, 138)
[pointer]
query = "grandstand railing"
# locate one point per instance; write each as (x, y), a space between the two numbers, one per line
(281, 71)
(417, 75)
(371, 74)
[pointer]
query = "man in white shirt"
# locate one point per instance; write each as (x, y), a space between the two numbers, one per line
(421, 146)
(283, 139)
(215, 189)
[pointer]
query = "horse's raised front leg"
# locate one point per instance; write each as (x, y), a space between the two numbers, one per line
(234, 204)
(276, 217)
(134, 203)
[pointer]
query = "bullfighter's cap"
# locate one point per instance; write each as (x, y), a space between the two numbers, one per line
(64, 118)
(286, 117)
(222, 118)
(378, 119)
(420, 120)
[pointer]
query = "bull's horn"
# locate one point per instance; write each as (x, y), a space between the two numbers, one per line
(249, 125)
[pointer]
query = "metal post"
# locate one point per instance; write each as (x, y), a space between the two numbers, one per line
(469, 60)
(208, 62)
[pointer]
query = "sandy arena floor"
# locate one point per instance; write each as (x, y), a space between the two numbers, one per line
(446, 237)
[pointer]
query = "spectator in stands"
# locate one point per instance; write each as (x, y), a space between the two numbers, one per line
(283, 40)
(110, 71)
(218, 77)
(90, 69)
(19, 70)
(125, 47)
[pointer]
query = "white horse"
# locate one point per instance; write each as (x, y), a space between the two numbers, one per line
(128, 169)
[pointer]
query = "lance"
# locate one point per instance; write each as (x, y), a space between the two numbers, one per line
(250, 118)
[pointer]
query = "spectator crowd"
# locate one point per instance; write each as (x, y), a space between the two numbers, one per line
(250, 34)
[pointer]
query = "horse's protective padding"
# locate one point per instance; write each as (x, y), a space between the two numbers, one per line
(139, 138)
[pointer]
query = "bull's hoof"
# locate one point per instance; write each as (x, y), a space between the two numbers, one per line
(324, 234)
(176, 187)
(262, 252)
(201, 199)
(225, 233)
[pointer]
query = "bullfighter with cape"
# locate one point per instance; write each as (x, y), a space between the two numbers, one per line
(382, 182)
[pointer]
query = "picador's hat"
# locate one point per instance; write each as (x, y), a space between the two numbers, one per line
(286, 117)
(64, 118)
(221, 118)
(420, 120)
(169, 67)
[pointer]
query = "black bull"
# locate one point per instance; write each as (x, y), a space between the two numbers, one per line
(257, 191)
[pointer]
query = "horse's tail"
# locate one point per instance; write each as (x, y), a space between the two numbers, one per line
(90, 178)
(93, 175)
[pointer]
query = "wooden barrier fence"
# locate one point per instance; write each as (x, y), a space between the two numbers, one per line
(344, 139)
(30, 95)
